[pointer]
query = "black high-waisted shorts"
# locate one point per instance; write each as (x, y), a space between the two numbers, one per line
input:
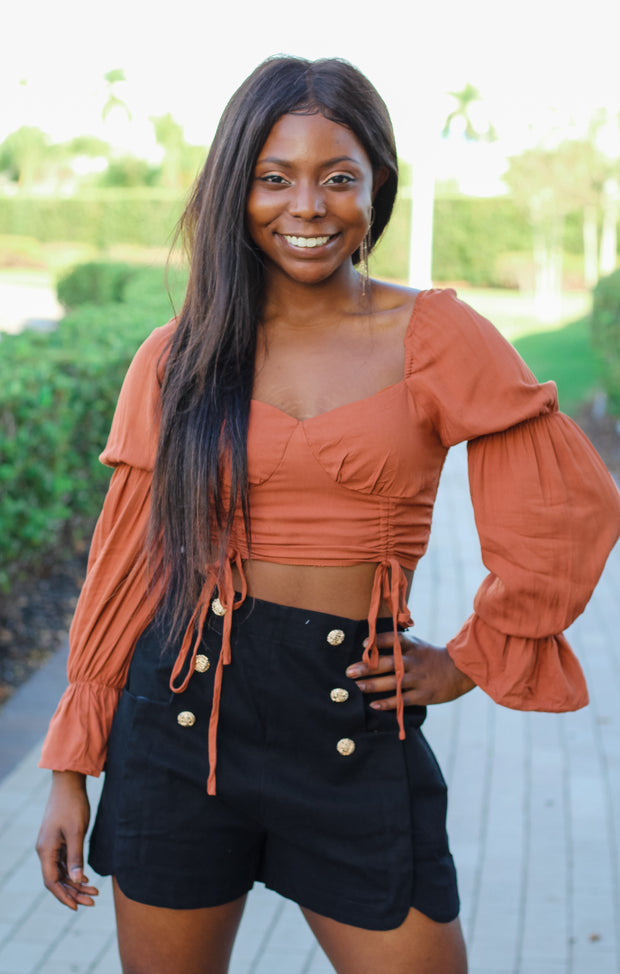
(316, 795)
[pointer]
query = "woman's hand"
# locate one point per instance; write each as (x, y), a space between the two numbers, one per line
(430, 675)
(60, 844)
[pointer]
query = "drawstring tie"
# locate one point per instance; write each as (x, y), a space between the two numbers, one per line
(390, 584)
(222, 580)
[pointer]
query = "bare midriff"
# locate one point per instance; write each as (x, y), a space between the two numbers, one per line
(338, 590)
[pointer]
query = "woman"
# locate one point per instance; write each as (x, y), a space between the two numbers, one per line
(277, 452)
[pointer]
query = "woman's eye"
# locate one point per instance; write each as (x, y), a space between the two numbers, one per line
(340, 179)
(273, 178)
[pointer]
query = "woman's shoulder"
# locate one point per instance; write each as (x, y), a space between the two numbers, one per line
(433, 305)
(393, 296)
(432, 318)
(443, 324)
(150, 359)
(135, 427)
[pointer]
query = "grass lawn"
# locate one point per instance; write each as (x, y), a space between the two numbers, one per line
(566, 356)
(559, 351)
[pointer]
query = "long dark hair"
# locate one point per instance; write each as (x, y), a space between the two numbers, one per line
(207, 387)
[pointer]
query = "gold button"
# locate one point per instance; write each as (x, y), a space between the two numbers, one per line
(345, 746)
(335, 637)
(202, 663)
(186, 718)
(218, 608)
(339, 695)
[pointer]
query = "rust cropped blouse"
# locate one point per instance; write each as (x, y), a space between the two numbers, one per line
(358, 484)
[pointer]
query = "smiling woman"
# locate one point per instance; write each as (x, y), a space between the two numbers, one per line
(239, 657)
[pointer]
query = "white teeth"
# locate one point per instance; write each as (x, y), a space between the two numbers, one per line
(306, 241)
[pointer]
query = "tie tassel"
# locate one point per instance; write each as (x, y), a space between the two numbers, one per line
(389, 584)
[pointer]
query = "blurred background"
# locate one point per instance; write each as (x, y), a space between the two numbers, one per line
(508, 128)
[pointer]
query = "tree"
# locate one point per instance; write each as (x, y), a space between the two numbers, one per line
(423, 185)
(606, 135)
(113, 79)
(540, 181)
(169, 135)
(128, 171)
(460, 116)
(181, 159)
(550, 183)
(23, 154)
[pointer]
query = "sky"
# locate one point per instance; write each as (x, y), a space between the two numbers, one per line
(541, 66)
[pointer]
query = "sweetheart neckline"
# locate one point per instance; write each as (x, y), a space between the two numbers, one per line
(329, 412)
(354, 402)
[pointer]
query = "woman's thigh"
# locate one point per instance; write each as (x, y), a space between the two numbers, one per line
(156, 940)
(418, 946)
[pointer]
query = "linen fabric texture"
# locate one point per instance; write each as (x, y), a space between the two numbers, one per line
(370, 471)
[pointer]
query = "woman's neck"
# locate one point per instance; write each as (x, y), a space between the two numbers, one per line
(304, 304)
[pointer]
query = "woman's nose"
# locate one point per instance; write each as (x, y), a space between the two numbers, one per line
(308, 201)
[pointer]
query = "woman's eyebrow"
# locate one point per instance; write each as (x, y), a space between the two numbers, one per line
(328, 162)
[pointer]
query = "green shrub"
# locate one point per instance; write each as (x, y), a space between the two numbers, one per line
(57, 396)
(471, 234)
(105, 282)
(96, 282)
(605, 330)
(145, 285)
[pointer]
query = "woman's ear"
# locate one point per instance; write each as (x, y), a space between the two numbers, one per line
(379, 177)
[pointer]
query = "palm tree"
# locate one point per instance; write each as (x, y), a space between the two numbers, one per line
(423, 182)
(113, 78)
(465, 98)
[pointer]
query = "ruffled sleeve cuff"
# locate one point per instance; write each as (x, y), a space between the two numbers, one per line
(79, 730)
(520, 672)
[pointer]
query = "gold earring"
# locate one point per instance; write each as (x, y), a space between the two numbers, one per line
(364, 252)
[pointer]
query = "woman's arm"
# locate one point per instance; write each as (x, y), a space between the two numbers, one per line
(112, 611)
(547, 513)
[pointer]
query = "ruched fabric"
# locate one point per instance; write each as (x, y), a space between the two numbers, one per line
(358, 484)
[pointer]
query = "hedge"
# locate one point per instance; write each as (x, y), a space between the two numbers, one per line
(471, 236)
(605, 331)
(148, 219)
(103, 282)
(57, 397)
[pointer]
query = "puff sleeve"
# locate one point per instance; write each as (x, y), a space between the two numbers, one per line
(114, 606)
(537, 487)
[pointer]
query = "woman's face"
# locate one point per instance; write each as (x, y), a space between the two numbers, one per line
(310, 202)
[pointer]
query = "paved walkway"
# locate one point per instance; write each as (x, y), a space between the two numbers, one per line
(27, 306)
(534, 808)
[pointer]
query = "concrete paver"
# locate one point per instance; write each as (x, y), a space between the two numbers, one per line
(534, 814)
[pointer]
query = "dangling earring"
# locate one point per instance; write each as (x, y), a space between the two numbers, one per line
(364, 251)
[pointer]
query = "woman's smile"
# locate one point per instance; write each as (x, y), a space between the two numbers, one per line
(306, 242)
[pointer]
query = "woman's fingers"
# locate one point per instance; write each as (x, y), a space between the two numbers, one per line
(385, 665)
(430, 675)
(52, 855)
(60, 844)
(385, 640)
(75, 881)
